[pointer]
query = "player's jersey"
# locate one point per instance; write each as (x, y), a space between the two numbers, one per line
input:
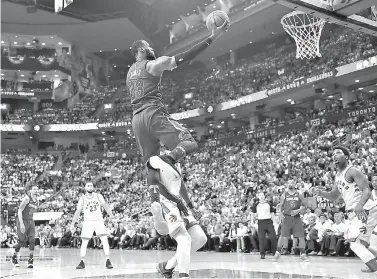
(143, 87)
(30, 208)
(350, 192)
(92, 207)
(291, 202)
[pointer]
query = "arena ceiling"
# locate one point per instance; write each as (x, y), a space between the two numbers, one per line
(96, 25)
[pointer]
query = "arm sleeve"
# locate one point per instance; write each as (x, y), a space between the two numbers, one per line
(193, 52)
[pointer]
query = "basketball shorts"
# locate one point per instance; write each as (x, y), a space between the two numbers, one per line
(89, 227)
(29, 230)
(369, 226)
(292, 226)
(174, 219)
(153, 126)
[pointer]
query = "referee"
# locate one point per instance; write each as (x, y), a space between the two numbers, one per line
(265, 213)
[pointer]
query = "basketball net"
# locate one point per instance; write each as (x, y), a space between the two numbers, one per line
(306, 30)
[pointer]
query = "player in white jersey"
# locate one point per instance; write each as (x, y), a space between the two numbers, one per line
(352, 185)
(91, 204)
(182, 226)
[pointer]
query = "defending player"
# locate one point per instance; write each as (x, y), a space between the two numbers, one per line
(352, 185)
(292, 205)
(91, 204)
(151, 121)
(25, 223)
(184, 229)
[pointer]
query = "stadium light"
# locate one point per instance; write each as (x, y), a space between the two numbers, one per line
(331, 96)
(361, 88)
(100, 50)
(2, 42)
(43, 44)
(357, 80)
(60, 43)
(28, 44)
(371, 91)
(15, 43)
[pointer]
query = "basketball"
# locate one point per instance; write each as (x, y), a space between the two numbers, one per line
(216, 19)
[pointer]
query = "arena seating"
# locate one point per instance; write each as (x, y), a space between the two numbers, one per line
(267, 70)
(223, 190)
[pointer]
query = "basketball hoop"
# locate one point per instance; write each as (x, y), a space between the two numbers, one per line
(306, 30)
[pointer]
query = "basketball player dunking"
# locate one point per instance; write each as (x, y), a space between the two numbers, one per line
(292, 205)
(153, 125)
(352, 185)
(91, 204)
(25, 223)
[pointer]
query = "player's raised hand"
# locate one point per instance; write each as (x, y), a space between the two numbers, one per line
(217, 32)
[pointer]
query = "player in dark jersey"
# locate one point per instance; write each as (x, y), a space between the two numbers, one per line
(26, 226)
(25, 223)
(152, 123)
(292, 204)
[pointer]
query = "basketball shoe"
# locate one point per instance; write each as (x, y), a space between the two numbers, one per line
(15, 261)
(166, 273)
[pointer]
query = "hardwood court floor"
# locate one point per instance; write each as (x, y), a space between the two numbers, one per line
(52, 263)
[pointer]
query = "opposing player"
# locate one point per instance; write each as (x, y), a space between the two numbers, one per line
(25, 223)
(352, 185)
(292, 205)
(91, 204)
(151, 121)
(183, 228)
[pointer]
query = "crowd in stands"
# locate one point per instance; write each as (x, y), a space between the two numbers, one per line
(275, 66)
(223, 180)
(223, 190)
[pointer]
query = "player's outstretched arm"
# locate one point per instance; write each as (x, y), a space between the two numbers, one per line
(332, 195)
(169, 63)
(105, 206)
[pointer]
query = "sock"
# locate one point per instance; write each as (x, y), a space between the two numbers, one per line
(106, 247)
(170, 264)
(84, 245)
